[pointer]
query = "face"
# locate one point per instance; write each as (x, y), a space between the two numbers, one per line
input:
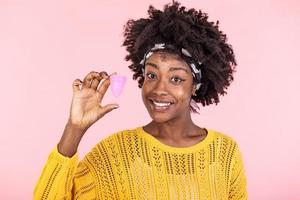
(167, 87)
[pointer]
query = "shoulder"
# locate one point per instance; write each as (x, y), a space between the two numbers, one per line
(225, 141)
(221, 136)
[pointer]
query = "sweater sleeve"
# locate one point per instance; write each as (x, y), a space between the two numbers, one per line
(64, 178)
(238, 182)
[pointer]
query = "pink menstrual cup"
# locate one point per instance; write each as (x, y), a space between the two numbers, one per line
(117, 83)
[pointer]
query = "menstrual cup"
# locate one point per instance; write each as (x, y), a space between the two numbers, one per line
(117, 83)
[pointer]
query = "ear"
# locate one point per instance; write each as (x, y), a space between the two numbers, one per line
(194, 90)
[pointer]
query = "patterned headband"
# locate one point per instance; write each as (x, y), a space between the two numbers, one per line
(195, 72)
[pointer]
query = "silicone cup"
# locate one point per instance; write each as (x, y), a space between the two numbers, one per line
(117, 83)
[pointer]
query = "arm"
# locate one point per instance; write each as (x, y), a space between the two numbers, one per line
(238, 182)
(58, 179)
(64, 178)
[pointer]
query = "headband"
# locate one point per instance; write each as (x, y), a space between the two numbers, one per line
(195, 72)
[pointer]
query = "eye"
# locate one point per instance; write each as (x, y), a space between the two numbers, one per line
(150, 75)
(177, 79)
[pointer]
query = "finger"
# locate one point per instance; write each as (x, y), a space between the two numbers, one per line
(113, 74)
(95, 83)
(89, 77)
(97, 80)
(106, 109)
(76, 85)
(103, 88)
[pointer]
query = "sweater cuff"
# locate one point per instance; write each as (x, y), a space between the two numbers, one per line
(61, 158)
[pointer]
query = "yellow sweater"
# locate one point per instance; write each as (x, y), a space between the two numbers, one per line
(132, 164)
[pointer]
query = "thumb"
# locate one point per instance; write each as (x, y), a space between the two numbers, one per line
(108, 108)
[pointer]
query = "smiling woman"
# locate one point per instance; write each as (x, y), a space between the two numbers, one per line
(178, 57)
(168, 86)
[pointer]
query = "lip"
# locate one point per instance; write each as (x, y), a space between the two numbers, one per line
(161, 100)
(161, 108)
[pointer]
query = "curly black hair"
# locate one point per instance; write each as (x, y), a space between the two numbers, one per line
(189, 29)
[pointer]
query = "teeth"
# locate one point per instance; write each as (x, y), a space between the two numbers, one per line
(161, 104)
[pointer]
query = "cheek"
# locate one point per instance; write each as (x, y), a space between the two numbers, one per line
(185, 90)
(182, 95)
(146, 88)
(145, 91)
(182, 92)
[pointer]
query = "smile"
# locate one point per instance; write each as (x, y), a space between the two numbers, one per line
(160, 106)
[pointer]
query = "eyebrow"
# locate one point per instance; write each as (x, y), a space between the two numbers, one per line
(171, 68)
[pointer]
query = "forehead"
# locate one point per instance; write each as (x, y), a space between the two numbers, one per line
(165, 58)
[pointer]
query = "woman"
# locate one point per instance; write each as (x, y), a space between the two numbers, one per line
(179, 59)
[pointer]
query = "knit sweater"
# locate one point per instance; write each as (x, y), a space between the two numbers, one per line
(133, 164)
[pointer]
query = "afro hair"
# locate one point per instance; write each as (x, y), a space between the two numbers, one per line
(189, 29)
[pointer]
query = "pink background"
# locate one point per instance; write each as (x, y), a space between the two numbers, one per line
(45, 46)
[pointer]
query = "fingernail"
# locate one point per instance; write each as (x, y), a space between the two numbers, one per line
(112, 74)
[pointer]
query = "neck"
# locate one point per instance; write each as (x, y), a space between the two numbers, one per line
(173, 130)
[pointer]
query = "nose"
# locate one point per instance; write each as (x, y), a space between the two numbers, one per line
(160, 88)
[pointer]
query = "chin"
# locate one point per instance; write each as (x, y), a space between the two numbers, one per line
(160, 120)
(162, 117)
